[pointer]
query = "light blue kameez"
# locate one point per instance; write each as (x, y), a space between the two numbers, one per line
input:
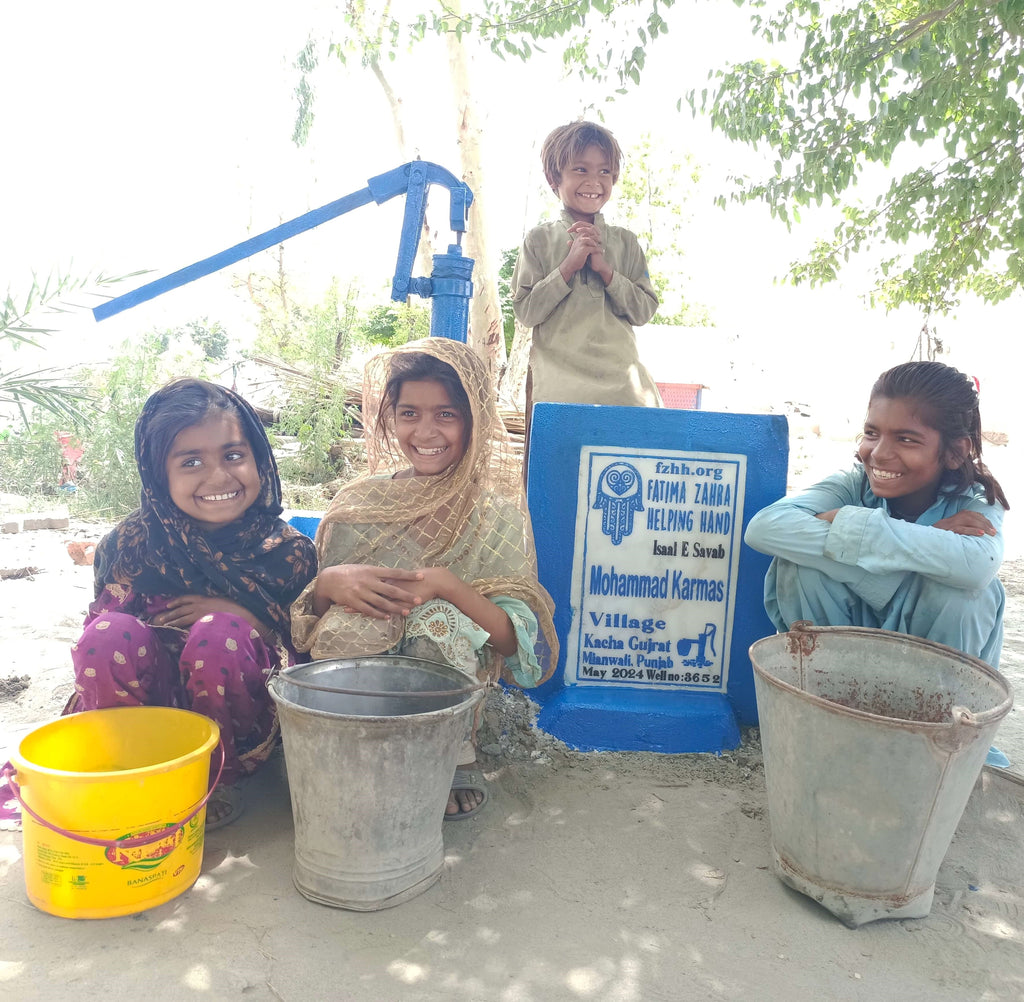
(868, 568)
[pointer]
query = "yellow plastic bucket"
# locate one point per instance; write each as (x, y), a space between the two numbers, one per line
(134, 779)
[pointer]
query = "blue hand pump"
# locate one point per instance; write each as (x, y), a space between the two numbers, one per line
(450, 285)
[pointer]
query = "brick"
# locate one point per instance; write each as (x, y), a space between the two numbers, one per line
(56, 518)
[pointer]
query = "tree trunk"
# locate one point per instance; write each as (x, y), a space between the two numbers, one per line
(424, 250)
(512, 388)
(485, 327)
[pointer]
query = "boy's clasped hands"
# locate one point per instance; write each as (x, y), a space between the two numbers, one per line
(585, 243)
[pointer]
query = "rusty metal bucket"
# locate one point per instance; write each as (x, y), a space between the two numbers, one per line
(371, 745)
(872, 743)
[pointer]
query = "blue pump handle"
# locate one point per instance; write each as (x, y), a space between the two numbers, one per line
(411, 179)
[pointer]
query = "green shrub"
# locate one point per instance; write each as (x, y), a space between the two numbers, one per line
(395, 324)
(316, 411)
(30, 459)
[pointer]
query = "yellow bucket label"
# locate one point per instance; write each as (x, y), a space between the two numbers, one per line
(145, 857)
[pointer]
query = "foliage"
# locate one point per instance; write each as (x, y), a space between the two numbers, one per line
(30, 459)
(873, 77)
(508, 317)
(651, 197)
(47, 389)
(312, 345)
(211, 339)
(305, 63)
(294, 332)
(927, 96)
(318, 414)
(318, 342)
(394, 324)
(602, 40)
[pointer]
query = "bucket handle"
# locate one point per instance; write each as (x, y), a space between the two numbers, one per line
(117, 843)
(963, 732)
(371, 692)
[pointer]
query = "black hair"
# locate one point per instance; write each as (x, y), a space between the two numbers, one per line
(947, 401)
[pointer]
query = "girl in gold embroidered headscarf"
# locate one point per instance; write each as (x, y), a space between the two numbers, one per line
(431, 554)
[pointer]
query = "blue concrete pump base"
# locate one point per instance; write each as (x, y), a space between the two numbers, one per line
(589, 718)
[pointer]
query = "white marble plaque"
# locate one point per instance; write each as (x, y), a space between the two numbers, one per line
(654, 569)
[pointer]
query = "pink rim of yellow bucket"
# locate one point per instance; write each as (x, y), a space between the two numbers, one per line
(114, 843)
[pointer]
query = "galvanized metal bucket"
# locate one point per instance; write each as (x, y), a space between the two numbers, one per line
(371, 745)
(872, 743)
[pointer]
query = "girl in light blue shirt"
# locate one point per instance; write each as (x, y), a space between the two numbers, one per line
(910, 539)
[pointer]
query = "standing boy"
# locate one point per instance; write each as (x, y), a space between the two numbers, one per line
(581, 283)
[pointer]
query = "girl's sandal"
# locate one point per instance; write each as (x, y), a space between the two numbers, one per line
(224, 806)
(468, 778)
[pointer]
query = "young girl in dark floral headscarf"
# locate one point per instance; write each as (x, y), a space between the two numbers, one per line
(193, 588)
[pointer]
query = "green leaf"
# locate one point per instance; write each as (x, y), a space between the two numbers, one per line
(872, 78)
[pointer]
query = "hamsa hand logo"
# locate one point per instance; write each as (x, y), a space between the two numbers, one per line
(619, 495)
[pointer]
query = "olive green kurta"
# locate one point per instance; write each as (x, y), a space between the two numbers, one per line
(584, 349)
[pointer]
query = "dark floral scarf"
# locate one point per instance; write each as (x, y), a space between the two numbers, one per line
(258, 561)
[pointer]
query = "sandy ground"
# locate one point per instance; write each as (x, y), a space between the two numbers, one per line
(588, 877)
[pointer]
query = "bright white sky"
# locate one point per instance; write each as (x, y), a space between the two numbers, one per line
(150, 137)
